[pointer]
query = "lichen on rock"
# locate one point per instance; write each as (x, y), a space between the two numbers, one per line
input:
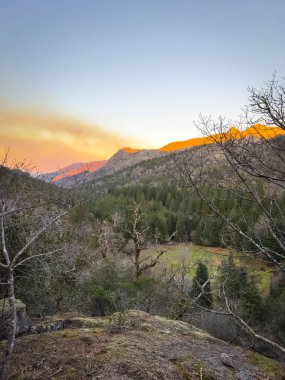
(136, 345)
(23, 322)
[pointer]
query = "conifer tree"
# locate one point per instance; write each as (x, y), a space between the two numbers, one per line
(202, 285)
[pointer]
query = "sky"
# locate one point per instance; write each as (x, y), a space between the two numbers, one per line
(80, 79)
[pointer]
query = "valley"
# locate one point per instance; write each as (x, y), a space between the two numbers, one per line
(186, 242)
(142, 190)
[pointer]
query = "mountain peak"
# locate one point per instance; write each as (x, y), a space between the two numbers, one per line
(130, 150)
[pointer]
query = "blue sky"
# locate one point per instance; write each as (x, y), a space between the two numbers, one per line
(143, 69)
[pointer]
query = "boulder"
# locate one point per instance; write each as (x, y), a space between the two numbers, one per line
(23, 321)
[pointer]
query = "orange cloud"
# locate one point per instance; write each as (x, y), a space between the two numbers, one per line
(51, 141)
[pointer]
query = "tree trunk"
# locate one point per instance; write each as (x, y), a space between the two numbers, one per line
(12, 327)
(137, 262)
(13, 314)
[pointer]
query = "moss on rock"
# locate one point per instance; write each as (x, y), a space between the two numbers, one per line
(269, 366)
(5, 306)
(134, 345)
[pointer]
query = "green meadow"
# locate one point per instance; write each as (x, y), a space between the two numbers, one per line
(189, 255)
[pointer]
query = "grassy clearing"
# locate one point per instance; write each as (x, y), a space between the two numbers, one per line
(190, 254)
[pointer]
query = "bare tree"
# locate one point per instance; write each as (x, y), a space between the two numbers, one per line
(109, 242)
(267, 105)
(139, 236)
(227, 308)
(248, 164)
(29, 209)
(177, 287)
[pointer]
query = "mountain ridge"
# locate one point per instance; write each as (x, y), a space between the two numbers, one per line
(127, 156)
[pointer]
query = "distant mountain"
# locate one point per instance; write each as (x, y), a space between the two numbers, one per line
(48, 177)
(257, 131)
(131, 150)
(78, 173)
(124, 158)
(71, 171)
(77, 169)
(128, 157)
(178, 145)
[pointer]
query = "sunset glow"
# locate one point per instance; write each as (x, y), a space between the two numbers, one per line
(52, 142)
(80, 80)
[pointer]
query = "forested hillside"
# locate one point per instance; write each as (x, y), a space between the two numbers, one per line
(195, 236)
(179, 213)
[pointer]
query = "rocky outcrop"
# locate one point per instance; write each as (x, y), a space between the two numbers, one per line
(135, 345)
(23, 321)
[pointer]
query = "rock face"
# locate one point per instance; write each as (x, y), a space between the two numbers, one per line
(135, 345)
(23, 321)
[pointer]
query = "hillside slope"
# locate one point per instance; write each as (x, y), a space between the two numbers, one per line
(135, 345)
(119, 161)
